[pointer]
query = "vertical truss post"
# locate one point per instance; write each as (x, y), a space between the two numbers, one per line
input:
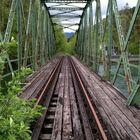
(23, 15)
(19, 36)
(85, 36)
(54, 44)
(26, 48)
(78, 48)
(47, 38)
(8, 30)
(54, 41)
(42, 38)
(82, 37)
(103, 59)
(88, 40)
(37, 59)
(97, 37)
(34, 24)
(90, 32)
(109, 48)
(104, 51)
(50, 47)
(46, 31)
(51, 40)
(77, 42)
(48, 26)
(93, 46)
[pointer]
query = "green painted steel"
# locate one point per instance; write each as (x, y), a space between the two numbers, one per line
(96, 36)
(32, 37)
(19, 30)
(89, 49)
(110, 41)
(34, 18)
(27, 45)
(8, 30)
(90, 33)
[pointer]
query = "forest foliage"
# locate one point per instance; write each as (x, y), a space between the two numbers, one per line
(63, 45)
(16, 114)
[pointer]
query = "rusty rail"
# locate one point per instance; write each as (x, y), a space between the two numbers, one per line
(99, 125)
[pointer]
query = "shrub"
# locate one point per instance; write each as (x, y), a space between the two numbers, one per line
(17, 114)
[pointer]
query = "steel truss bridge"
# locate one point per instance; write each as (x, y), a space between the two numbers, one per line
(36, 43)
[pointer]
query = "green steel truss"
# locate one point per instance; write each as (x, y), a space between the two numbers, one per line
(36, 37)
(95, 46)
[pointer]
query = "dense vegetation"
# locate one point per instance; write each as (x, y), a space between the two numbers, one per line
(63, 45)
(16, 115)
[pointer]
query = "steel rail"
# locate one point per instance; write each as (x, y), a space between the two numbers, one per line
(39, 99)
(101, 130)
(48, 97)
(38, 76)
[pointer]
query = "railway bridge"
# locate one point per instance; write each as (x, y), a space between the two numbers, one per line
(87, 96)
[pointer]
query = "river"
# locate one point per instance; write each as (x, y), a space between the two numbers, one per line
(120, 82)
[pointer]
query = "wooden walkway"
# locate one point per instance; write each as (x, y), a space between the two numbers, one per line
(122, 122)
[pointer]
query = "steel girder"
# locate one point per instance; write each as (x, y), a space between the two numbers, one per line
(64, 10)
(97, 37)
(35, 40)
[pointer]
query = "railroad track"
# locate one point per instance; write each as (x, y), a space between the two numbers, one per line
(38, 80)
(70, 113)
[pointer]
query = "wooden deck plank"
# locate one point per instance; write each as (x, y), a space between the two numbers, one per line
(77, 128)
(67, 124)
(86, 124)
(106, 119)
(57, 126)
(113, 104)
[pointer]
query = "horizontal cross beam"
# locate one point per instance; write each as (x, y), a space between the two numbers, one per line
(65, 16)
(64, 1)
(65, 8)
